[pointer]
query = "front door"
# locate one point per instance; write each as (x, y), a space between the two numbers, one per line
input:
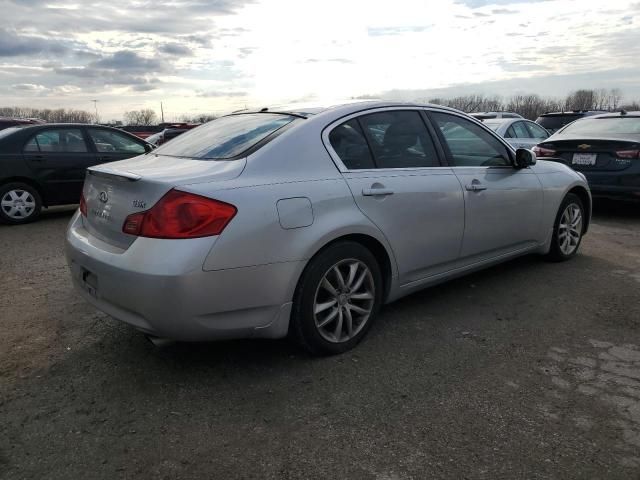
(398, 182)
(503, 205)
(58, 158)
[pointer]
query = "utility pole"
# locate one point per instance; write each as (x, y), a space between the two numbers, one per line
(95, 104)
(162, 112)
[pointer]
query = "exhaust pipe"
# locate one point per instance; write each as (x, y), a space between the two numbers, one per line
(160, 342)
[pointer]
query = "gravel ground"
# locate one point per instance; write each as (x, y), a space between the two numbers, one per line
(526, 370)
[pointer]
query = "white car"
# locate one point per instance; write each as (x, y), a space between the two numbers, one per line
(520, 133)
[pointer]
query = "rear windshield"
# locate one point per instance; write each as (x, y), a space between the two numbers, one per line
(225, 137)
(556, 122)
(606, 125)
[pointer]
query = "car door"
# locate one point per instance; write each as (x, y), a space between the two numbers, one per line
(390, 162)
(503, 205)
(58, 158)
(111, 145)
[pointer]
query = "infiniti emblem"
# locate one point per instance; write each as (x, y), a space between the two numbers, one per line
(103, 197)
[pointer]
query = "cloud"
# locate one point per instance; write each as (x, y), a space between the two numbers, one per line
(13, 44)
(176, 49)
(220, 94)
(29, 87)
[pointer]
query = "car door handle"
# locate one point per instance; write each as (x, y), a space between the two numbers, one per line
(372, 192)
(37, 158)
(100, 159)
(476, 187)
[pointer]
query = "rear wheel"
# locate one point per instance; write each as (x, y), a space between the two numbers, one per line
(337, 299)
(19, 203)
(568, 229)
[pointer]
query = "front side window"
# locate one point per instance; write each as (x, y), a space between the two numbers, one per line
(225, 137)
(59, 140)
(469, 144)
(349, 143)
(107, 141)
(399, 139)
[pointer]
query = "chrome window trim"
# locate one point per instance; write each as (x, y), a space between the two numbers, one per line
(442, 168)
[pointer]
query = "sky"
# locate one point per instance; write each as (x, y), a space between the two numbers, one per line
(214, 56)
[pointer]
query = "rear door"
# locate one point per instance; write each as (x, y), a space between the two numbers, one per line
(111, 145)
(58, 158)
(503, 205)
(393, 168)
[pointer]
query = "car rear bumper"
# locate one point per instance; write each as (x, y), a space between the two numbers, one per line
(624, 184)
(160, 288)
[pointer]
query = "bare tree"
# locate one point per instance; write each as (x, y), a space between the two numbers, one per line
(140, 117)
(59, 115)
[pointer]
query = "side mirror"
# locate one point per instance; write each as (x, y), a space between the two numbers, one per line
(148, 147)
(525, 158)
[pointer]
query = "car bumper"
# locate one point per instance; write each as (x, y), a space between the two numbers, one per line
(160, 288)
(624, 184)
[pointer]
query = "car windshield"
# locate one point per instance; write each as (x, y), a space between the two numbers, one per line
(225, 137)
(8, 131)
(605, 125)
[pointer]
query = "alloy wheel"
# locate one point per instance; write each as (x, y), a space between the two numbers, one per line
(570, 229)
(344, 300)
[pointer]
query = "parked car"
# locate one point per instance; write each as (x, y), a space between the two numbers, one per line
(12, 122)
(494, 115)
(519, 133)
(164, 136)
(605, 148)
(261, 224)
(44, 165)
(142, 131)
(554, 121)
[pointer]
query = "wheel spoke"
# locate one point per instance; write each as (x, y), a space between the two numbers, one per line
(357, 309)
(329, 317)
(353, 269)
(349, 321)
(362, 296)
(359, 281)
(13, 195)
(321, 307)
(338, 331)
(328, 287)
(340, 278)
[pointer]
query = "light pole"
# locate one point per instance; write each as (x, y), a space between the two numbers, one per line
(95, 104)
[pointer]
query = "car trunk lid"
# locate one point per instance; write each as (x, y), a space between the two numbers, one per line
(114, 191)
(590, 154)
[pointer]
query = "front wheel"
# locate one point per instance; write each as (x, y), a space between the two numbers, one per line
(337, 299)
(568, 229)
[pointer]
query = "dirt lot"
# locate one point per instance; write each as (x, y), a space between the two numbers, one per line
(527, 370)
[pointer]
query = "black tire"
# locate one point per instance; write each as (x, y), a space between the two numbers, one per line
(556, 253)
(303, 328)
(27, 214)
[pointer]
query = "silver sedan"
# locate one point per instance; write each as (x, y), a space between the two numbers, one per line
(519, 133)
(268, 223)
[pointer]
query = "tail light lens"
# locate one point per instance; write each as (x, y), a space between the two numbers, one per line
(628, 154)
(181, 215)
(83, 205)
(542, 152)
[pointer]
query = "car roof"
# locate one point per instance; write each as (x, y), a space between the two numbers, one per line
(572, 112)
(618, 115)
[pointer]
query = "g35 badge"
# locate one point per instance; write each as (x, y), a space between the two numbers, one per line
(139, 204)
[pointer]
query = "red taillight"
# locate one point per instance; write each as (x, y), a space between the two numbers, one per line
(83, 205)
(181, 215)
(628, 154)
(542, 152)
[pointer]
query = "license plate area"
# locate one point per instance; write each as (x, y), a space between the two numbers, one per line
(586, 159)
(89, 282)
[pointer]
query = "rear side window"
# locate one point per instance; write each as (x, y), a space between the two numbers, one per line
(225, 137)
(351, 146)
(107, 141)
(59, 140)
(537, 131)
(520, 130)
(399, 140)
